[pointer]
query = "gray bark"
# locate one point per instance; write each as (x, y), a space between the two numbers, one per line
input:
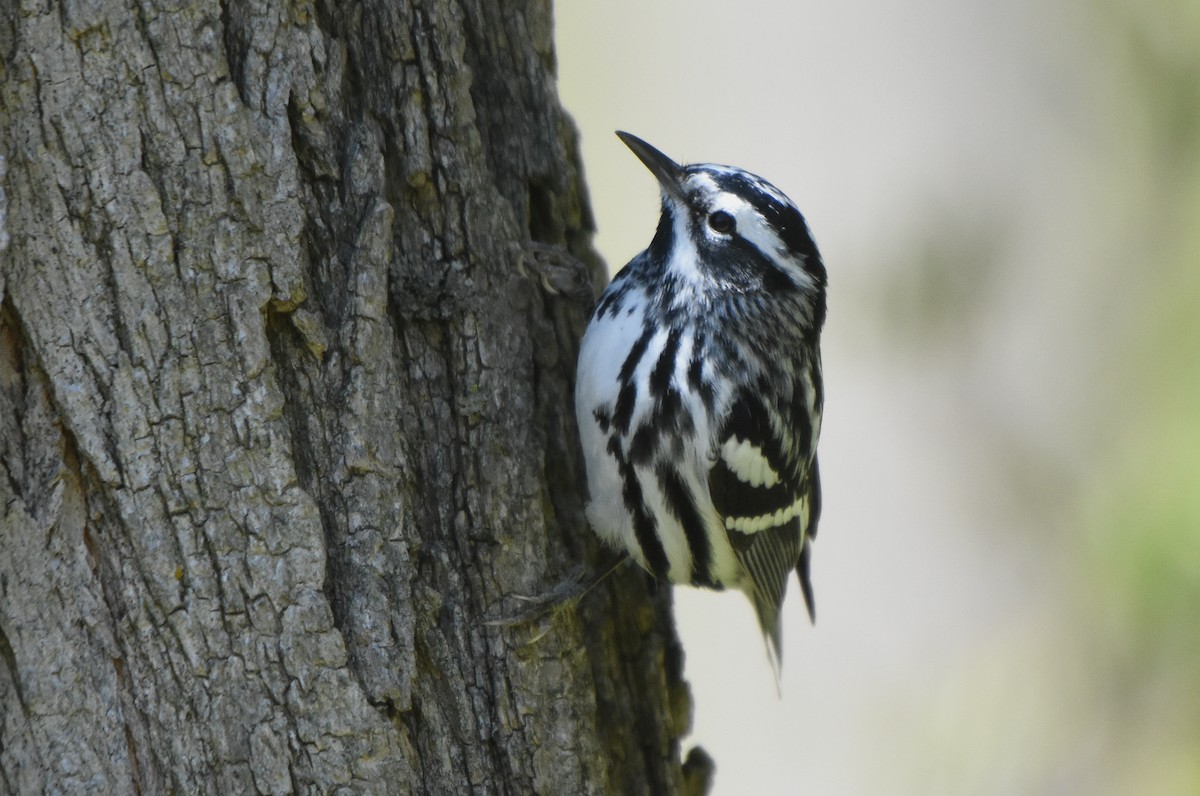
(290, 306)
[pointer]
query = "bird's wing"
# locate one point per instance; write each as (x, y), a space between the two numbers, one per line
(764, 488)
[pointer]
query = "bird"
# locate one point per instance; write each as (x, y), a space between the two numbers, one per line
(699, 394)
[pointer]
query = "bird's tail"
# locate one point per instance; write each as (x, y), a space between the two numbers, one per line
(768, 621)
(802, 572)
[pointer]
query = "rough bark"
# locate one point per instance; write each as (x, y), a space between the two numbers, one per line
(290, 308)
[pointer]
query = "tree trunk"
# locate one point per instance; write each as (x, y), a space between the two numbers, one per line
(291, 300)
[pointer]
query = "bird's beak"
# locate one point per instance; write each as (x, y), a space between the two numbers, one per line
(668, 173)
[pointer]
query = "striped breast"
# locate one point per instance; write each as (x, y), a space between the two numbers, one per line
(647, 437)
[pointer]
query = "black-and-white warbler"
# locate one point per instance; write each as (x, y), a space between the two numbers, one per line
(699, 392)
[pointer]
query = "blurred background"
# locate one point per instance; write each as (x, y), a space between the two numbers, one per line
(1007, 197)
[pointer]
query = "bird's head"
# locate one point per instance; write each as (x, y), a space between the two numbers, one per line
(730, 226)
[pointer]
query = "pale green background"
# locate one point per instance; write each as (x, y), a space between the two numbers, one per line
(1007, 196)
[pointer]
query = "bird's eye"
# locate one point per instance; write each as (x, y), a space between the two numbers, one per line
(721, 222)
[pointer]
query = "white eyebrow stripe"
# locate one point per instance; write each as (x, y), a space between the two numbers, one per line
(704, 182)
(751, 226)
(755, 180)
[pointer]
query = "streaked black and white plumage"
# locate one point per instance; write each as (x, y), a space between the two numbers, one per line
(699, 392)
